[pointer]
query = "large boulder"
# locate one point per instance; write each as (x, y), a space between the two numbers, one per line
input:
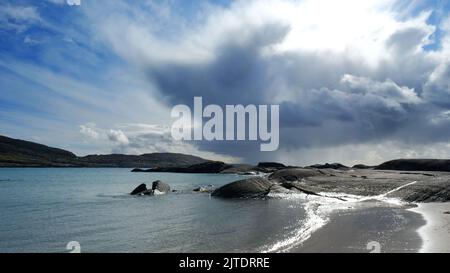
(141, 189)
(254, 187)
(160, 186)
(294, 174)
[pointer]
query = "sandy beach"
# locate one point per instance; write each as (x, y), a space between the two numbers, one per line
(379, 227)
(436, 232)
(368, 228)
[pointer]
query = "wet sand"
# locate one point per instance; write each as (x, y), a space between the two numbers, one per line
(393, 229)
(436, 231)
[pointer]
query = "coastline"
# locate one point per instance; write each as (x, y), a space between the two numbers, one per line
(356, 229)
(436, 232)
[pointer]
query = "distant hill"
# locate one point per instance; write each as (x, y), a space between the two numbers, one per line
(438, 165)
(140, 161)
(21, 153)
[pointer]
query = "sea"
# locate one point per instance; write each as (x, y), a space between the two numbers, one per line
(57, 210)
(48, 209)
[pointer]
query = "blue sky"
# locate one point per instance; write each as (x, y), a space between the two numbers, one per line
(356, 82)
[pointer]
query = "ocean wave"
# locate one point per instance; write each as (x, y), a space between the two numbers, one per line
(313, 221)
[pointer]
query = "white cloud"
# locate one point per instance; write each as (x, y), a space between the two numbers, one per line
(118, 137)
(140, 138)
(18, 18)
(73, 2)
(367, 153)
(387, 89)
(358, 29)
(89, 130)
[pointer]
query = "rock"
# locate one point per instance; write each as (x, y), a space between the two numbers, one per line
(137, 170)
(446, 212)
(204, 189)
(294, 174)
(141, 189)
(438, 165)
(239, 169)
(415, 173)
(336, 166)
(293, 185)
(206, 167)
(362, 166)
(160, 186)
(255, 187)
(271, 165)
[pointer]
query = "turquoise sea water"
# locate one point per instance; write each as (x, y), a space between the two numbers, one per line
(42, 209)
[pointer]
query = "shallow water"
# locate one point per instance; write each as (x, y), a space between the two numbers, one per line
(42, 209)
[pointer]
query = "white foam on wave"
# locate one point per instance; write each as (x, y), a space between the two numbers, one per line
(312, 222)
(318, 210)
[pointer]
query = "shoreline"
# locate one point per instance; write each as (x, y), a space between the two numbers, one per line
(357, 228)
(436, 231)
(395, 229)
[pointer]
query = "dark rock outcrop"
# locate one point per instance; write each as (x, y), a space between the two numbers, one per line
(336, 166)
(274, 165)
(293, 174)
(255, 187)
(137, 170)
(239, 169)
(141, 189)
(362, 166)
(437, 165)
(160, 186)
(206, 167)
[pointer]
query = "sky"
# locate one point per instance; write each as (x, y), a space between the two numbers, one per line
(356, 81)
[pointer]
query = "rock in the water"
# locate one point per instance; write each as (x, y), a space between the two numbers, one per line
(205, 189)
(160, 186)
(254, 187)
(293, 174)
(141, 189)
(446, 212)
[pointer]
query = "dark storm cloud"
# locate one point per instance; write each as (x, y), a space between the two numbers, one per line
(334, 87)
(322, 103)
(237, 74)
